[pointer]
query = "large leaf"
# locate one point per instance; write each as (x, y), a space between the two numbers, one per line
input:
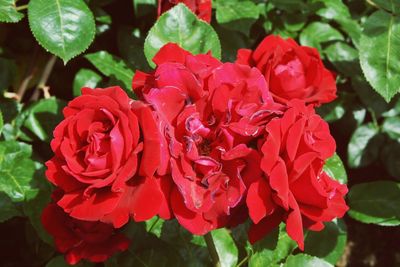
(364, 146)
(179, 25)
(112, 66)
(8, 11)
(344, 57)
(324, 31)
(390, 158)
(328, 244)
(237, 14)
(391, 126)
(65, 28)
(16, 170)
(306, 261)
(375, 202)
(381, 66)
(85, 78)
(334, 167)
(225, 246)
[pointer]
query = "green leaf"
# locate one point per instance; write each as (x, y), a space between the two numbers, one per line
(289, 5)
(7, 208)
(130, 45)
(334, 167)
(391, 126)
(154, 226)
(364, 145)
(375, 202)
(112, 66)
(390, 157)
(274, 248)
(179, 25)
(324, 31)
(43, 116)
(237, 15)
(85, 78)
(335, 110)
(65, 28)
(8, 11)
(381, 66)
(1, 122)
(144, 7)
(16, 170)
(344, 57)
(231, 41)
(306, 261)
(328, 244)
(225, 246)
(389, 5)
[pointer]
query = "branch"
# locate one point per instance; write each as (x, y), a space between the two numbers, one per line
(43, 79)
(212, 249)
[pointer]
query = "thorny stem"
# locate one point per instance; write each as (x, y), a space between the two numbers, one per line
(43, 79)
(19, 8)
(212, 249)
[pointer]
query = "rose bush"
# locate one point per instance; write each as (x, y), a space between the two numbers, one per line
(202, 8)
(292, 71)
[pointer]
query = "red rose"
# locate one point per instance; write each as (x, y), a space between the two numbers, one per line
(295, 188)
(207, 113)
(93, 241)
(96, 149)
(292, 71)
(202, 8)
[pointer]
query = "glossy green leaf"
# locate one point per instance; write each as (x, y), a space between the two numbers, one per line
(306, 261)
(65, 28)
(393, 111)
(328, 244)
(344, 57)
(8, 11)
(43, 116)
(335, 110)
(110, 65)
(334, 167)
(364, 146)
(375, 202)
(130, 45)
(324, 31)
(381, 66)
(179, 25)
(389, 5)
(237, 15)
(226, 247)
(7, 208)
(16, 170)
(85, 78)
(391, 126)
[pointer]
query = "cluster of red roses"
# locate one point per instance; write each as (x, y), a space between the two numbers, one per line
(208, 143)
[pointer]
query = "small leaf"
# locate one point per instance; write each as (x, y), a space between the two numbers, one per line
(112, 66)
(65, 28)
(43, 116)
(389, 5)
(7, 208)
(328, 244)
(154, 226)
(226, 247)
(375, 202)
(334, 167)
(8, 11)
(381, 66)
(364, 146)
(391, 126)
(305, 260)
(85, 78)
(324, 31)
(16, 170)
(179, 25)
(237, 15)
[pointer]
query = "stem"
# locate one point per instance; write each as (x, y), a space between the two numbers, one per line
(19, 8)
(212, 249)
(243, 261)
(45, 76)
(29, 74)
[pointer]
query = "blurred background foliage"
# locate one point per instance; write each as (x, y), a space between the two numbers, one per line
(42, 67)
